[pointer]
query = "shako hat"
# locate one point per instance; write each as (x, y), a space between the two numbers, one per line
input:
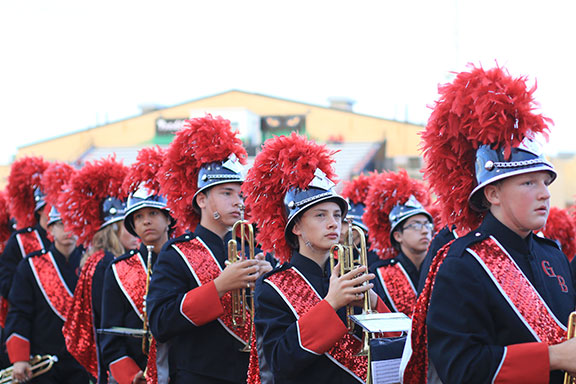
(93, 198)
(289, 175)
(54, 181)
(204, 153)
(393, 197)
(25, 195)
(483, 128)
(356, 192)
(142, 186)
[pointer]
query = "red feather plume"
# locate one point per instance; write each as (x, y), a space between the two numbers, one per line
(479, 107)
(145, 171)
(357, 190)
(285, 162)
(386, 191)
(25, 176)
(55, 177)
(561, 227)
(4, 221)
(202, 140)
(87, 189)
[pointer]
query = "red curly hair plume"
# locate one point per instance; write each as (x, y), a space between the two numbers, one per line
(356, 190)
(480, 107)
(25, 176)
(561, 227)
(202, 140)
(387, 190)
(285, 162)
(55, 177)
(145, 171)
(81, 201)
(4, 221)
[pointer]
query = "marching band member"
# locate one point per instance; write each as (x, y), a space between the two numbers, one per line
(356, 192)
(189, 301)
(95, 209)
(147, 218)
(496, 301)
(6, 230)
(300, 315)
(27, 205)
(400, 230)
(41, 294)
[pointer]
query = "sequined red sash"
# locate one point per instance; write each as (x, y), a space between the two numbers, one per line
(518, 291)
(301, 297)
(399, 288)
(29, 242)
(131, 277)
(78, 329)
(205, 268)
(51, 283)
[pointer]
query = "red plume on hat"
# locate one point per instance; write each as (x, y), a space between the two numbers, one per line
(144, 172)
(561, 227)
(202, 140)
(4, 221)
(356, 190)
(87, 189)
(285, 162)
(55, 177)
(480, 107)
(25, 176)
(387, 190)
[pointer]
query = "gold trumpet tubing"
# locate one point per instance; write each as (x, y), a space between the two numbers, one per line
(39, 365)
(569, 379)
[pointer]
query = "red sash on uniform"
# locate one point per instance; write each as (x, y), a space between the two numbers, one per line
(205, 268)
(78, 328)
(51, 283)
(131, 278)
(399, 288)
(301, 297)
(28, 242)
(512, 284)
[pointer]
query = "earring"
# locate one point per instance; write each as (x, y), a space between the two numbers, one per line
(308, 244)
(216, 215)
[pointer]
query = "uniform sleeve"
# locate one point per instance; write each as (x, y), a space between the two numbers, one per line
(175, 303)
(289, 346)
(8, 263)
(115, 308)
(21, 314)
(462, 331)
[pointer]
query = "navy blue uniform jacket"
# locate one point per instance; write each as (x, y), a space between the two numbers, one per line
(471, 326)
(201, 346)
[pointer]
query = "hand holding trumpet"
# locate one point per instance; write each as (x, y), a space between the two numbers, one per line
(350, 288)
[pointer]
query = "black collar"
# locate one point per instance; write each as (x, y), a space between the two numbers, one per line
(505, 236)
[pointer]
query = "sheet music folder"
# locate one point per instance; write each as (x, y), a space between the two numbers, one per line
(383, 322)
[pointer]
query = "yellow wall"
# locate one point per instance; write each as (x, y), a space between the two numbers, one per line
(563, 189)
(321, 123)
(4, 172)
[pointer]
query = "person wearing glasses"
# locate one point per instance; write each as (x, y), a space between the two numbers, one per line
(400, 229)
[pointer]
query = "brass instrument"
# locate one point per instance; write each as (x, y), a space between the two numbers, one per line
(569, 379)
(242, 229)
(39, 364)
(147, 337)
(345, 254)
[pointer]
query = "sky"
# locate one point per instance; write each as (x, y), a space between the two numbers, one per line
(69, 65)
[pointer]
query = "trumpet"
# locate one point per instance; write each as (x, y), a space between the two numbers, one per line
(146, 338)
(244, 230)
(39, 364)
(569, 379)
(345, 254)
